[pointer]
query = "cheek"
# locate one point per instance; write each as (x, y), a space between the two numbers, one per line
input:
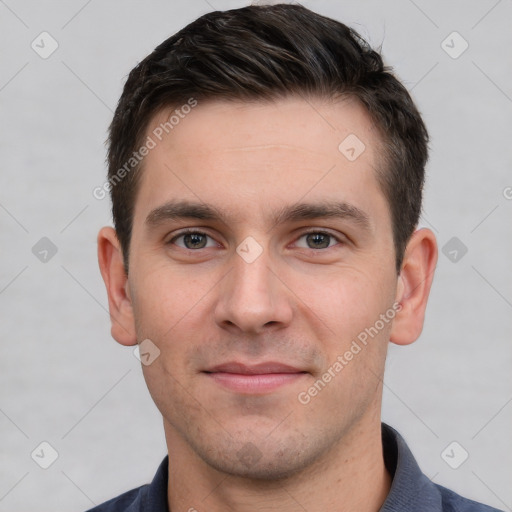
(349, 301)
(364, 320)
(173, 310)
(165, 298)
(355, 339)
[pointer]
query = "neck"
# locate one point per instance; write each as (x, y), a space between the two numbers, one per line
(350, 476)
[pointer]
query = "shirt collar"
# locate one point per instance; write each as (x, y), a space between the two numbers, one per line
(410, 488)
(155, 499)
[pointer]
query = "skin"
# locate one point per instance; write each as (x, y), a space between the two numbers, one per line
(301, 302)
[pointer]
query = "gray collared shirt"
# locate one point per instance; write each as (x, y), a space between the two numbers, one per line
(411, 490)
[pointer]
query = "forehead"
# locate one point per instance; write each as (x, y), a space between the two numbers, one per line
(315, 125)
(279, 151)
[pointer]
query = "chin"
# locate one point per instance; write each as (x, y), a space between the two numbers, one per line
(265, 467)
(264, 458)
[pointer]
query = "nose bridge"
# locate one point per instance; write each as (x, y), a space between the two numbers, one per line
(251, 297)
(252, 278)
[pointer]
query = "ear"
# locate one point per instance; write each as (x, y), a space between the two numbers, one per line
(413, 287)
(110, 259)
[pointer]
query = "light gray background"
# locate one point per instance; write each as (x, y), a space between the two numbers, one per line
(65, 381)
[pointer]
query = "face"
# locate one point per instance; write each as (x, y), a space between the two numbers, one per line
(261, 255)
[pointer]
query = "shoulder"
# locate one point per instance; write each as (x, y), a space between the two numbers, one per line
(149, 497)
(453, 502)
(411, 489)
(130, 501)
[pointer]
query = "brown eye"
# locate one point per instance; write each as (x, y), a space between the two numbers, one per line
(192, 240)
(317, 240)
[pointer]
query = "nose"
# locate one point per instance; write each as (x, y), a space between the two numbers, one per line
(252, 298)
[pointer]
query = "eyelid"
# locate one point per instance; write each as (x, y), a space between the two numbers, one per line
(340, 239)
(189, 231)
(323, 231)
(313, 230)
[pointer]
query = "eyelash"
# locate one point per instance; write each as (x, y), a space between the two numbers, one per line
(187, 232)
(316, 232)
(305, 233)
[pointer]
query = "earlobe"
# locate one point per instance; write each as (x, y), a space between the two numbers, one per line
(413, 286)
(110, 259)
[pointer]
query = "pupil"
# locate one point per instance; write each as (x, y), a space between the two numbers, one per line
(319, 240)
(195, 240)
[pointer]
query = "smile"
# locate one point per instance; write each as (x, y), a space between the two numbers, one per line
(255, 379)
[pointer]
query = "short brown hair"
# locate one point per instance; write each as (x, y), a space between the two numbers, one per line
(264, 53)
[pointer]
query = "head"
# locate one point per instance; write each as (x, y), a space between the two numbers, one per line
(297, 159)
(287, 50)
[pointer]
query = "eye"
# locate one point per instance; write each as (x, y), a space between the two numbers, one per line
(318, 240)
(192, 240)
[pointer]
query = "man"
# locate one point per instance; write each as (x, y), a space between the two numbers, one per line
(266, 175)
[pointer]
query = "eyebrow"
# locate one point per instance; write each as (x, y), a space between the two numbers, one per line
(177, 210)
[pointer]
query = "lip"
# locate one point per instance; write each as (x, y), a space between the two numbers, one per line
(254, 369)
(254, 379)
